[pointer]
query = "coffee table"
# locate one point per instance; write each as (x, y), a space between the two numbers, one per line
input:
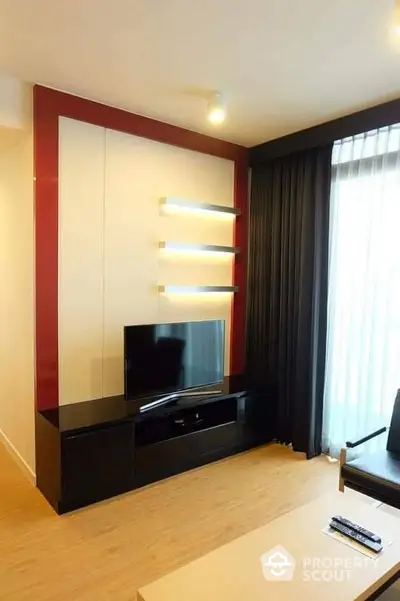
(306, 563)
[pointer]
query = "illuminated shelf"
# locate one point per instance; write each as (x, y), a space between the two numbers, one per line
(181, 205)
(198, 249)
(190, 290)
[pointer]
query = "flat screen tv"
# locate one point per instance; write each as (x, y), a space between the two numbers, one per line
(172, 357)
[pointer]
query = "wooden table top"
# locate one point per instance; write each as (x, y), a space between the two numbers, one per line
(324, 568)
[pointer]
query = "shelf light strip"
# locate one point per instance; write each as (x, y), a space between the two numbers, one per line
(198, 248)
(189, 205)
(167, 289)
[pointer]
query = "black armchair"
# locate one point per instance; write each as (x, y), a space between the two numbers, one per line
(376, 475)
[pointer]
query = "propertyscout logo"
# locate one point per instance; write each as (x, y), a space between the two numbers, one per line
(278, 564)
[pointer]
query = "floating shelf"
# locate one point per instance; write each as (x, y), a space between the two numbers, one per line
(180, 204)
(189, 290)
(198, 248)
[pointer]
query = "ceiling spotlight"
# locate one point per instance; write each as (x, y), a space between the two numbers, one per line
(216, 109)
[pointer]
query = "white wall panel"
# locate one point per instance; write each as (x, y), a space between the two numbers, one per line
(131, 258)
(81, 258)
(110, 185)
(138, 173)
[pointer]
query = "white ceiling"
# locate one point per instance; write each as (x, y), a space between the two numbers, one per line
(283, 64)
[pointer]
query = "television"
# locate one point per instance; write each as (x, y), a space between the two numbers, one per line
(172, 357)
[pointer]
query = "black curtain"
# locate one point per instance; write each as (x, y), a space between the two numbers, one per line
(287, 291)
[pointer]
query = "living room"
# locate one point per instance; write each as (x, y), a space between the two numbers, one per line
(200, 326)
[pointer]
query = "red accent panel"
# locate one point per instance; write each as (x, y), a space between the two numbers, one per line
(46, 241)
(49, 105)
(238, 328)
(129, 123)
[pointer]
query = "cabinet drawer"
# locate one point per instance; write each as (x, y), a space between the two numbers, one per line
(170, 457)
(97, 464)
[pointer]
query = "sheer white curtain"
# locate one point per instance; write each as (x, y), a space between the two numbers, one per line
(363, 346)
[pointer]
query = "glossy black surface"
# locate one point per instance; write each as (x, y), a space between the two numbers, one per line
(91, 451)
(167, 458)
(110, 410)
(178, 421)
(97, 465)
(163, 358)
(48, 460)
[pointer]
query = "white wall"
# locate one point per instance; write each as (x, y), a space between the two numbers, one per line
(15, 103)
(81, 260)
(17, 295)
(109, 263)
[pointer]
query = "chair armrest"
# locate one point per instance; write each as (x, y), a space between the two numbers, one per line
(352, 445)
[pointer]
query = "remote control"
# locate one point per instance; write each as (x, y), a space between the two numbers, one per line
(358, 538)
(359, 529)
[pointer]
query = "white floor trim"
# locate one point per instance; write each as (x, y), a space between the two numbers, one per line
(18, 458)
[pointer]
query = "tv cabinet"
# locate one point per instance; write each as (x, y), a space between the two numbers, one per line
(90, 451)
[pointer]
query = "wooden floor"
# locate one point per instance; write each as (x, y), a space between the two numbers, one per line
(106, 552)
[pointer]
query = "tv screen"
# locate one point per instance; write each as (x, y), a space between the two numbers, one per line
(169, 357)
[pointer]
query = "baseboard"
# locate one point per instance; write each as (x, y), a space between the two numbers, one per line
(18, 458)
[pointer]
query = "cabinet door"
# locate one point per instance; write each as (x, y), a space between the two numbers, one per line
(257, 415)
(169, 457)
(97, 465)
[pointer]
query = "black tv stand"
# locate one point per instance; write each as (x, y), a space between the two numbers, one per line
(94, 450)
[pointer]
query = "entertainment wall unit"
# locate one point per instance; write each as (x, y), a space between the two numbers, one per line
(90, 451)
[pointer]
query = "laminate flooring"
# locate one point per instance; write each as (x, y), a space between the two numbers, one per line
(107, 551)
